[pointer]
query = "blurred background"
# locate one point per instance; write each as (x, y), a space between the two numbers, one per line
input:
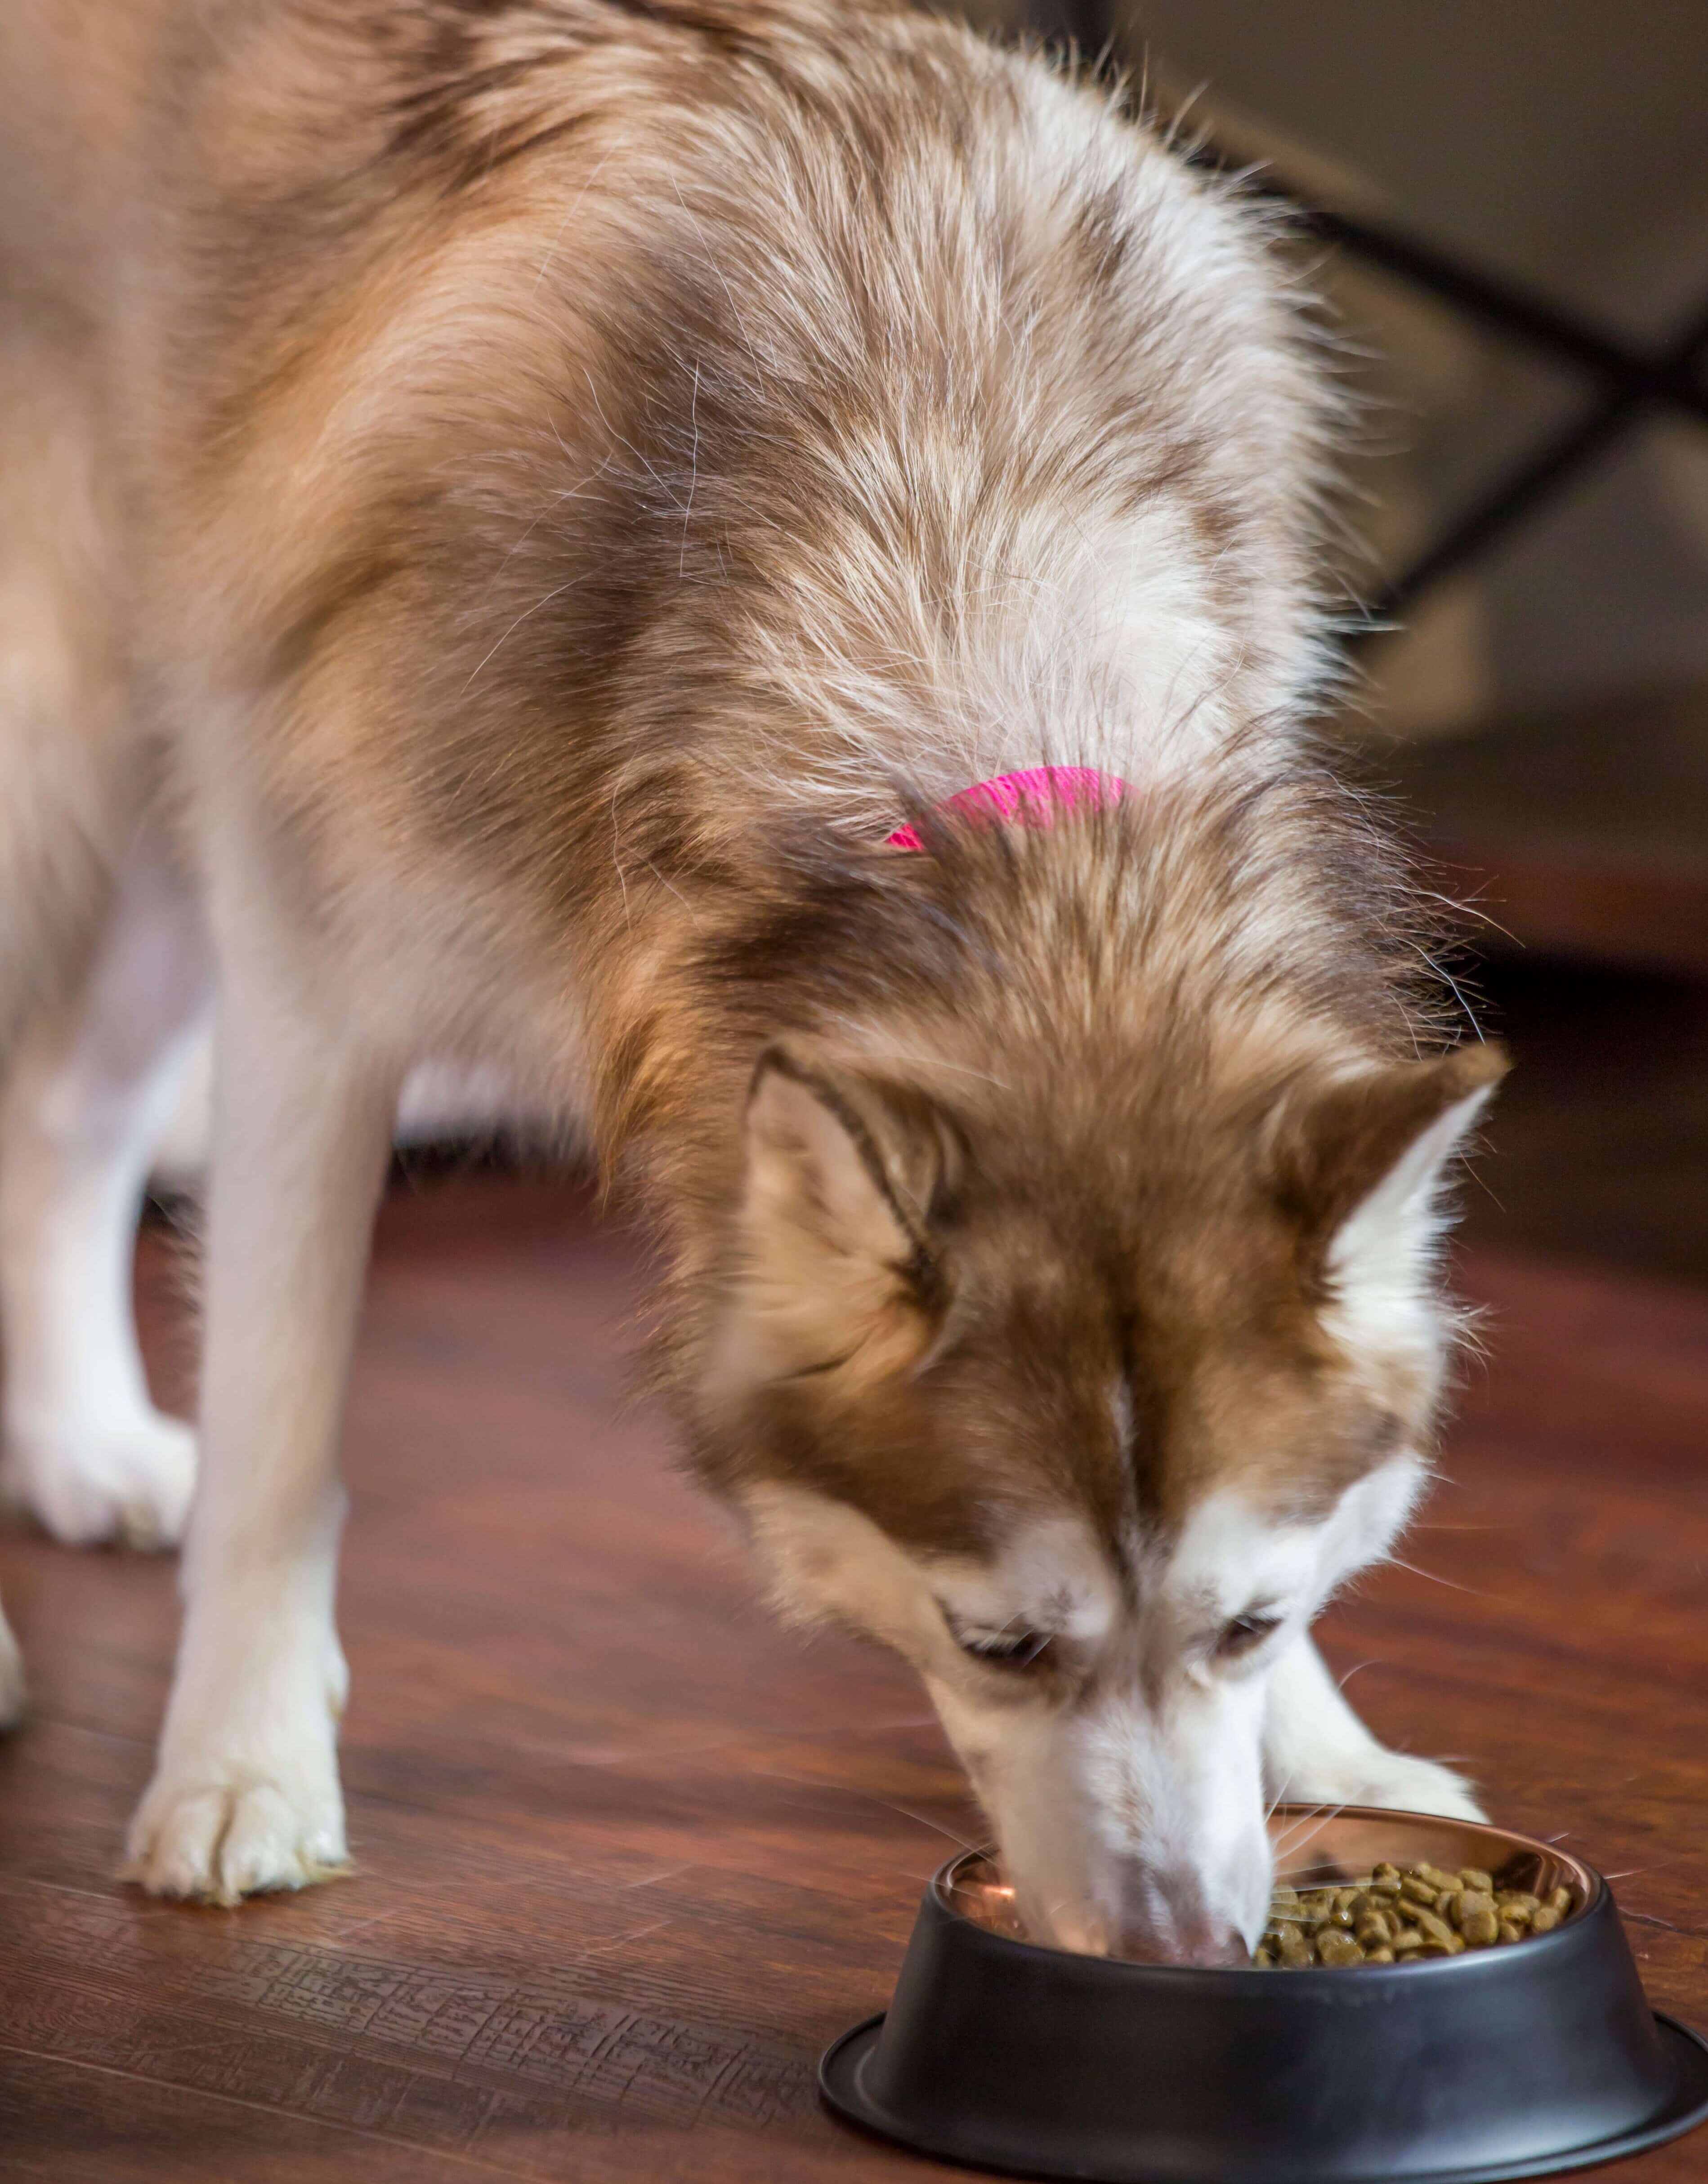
(1506, 207)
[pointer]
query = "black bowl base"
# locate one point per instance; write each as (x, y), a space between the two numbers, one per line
(841, 2081)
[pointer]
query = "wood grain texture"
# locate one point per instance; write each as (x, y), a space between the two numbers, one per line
(629, 1855)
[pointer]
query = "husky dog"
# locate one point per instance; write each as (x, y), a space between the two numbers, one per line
(509, 506)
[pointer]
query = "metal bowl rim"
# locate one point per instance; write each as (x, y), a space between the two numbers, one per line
(1595, 1887)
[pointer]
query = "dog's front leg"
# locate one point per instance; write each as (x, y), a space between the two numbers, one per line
(1317, 1752)
(89, 1094)
(245, 1795)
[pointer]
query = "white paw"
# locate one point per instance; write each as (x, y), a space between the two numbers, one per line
(245, 1797)
(218, 1830)
(1395, 1781)
(85, 1484)
(12, 1691)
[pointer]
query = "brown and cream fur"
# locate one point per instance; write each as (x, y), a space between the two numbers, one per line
(530, 493)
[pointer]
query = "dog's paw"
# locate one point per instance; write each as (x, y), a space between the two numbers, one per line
(216, 1833)
(129, 1483)
(12, 1691)
(245, 1799)
(1397, 1782)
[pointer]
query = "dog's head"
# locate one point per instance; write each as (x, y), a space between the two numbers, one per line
(1088, 1430)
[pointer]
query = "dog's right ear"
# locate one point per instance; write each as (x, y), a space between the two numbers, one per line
(1360, 1164)
(845, 1177)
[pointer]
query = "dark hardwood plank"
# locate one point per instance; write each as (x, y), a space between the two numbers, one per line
(628, 1855)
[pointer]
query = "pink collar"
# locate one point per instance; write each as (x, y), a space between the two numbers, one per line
(1033, 799)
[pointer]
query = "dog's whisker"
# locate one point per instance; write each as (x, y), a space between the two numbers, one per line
(1480, 1592)
(1653, 1918)
(888, 1804)
(1293, 1847)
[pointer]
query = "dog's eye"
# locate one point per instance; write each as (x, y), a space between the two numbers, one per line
(1010, 1649)
(1245, 1634)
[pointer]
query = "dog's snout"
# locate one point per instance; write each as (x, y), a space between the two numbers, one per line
(1168, 1922)
(1205, 1944)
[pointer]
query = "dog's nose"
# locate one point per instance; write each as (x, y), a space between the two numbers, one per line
(1172, 1941)
(1167, 1921)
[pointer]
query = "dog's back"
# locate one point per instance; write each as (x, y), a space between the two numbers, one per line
(466, 371)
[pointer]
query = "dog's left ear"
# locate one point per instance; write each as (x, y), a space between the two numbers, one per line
(1361, 1162)
(845, 1177)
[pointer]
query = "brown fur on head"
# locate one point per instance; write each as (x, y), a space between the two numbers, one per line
(943, 1311)
(1085, 1220)
(1121, 1083)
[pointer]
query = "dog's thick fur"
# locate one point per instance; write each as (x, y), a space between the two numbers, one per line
(524, 496)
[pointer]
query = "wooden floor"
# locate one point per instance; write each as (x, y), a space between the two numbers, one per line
(629, 1856)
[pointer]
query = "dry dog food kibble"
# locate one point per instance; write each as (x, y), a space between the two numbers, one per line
(1398, 1917)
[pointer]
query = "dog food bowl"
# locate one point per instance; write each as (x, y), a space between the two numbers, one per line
(1536, 2056)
